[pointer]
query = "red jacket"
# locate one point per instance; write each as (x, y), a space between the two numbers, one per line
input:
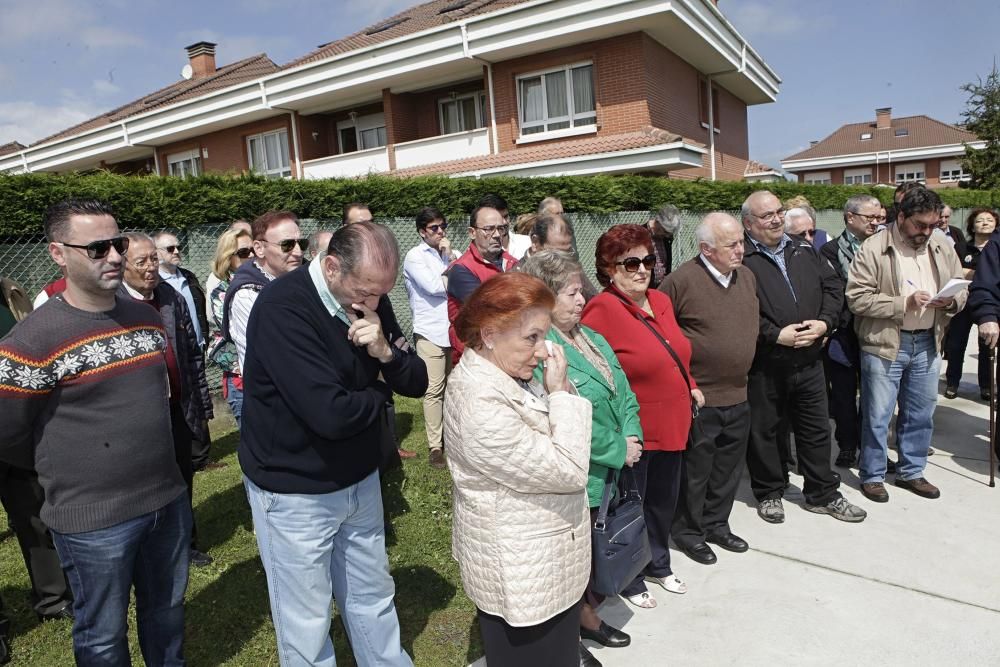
(664, 400)
(465, 274)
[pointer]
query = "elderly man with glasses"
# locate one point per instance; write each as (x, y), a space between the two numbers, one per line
(485, 259)
(186, 283)
(800, 300)
(278, 247)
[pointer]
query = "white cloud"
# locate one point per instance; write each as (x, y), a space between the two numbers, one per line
(35, 20)
(27, 121)
(102, 36)
(760, 21)
(105, 87)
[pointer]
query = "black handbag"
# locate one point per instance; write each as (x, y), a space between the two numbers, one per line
(619, 543)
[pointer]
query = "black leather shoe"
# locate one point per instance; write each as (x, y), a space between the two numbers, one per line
(200, 558)
(729, 542)
(606, 636)
(701, 553)
(587, 658)
(5, 650)
(64, 613)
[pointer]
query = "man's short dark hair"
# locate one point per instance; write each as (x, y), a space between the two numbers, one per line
(267, 220)
(353, 204)
(920, 200)
(490, 200)
(426, 216)
(474, 217)
(545, 223)
(56, 219)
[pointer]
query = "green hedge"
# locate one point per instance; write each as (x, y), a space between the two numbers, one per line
(155, 202)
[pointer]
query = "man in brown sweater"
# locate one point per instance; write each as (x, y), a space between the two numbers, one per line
(715, 302)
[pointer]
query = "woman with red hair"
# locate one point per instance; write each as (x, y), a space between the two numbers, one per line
(519, 452)
(639, 324)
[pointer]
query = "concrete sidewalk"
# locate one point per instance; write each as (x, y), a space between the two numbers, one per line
(917, 583)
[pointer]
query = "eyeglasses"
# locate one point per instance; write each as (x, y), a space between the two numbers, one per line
(631, 264)
(770, 216)
(875, 217)
(169, 249)
(143, 263)
(286, 245)
(244, 253)
(434, 229)
(100, 249)
(493, 229)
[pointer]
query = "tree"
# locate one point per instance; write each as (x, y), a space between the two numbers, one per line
(982, 118)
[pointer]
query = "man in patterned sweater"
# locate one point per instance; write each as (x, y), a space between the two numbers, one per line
(83, 400)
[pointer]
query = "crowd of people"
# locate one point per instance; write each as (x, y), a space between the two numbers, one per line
(543, 395)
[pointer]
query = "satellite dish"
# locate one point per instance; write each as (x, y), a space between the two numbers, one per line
(187, 72)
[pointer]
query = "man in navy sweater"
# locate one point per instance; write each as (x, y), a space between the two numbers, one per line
(318, 372)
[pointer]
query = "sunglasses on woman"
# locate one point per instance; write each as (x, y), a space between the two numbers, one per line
(100, 249)
(631, 264)
(286, 245)
(244, 253)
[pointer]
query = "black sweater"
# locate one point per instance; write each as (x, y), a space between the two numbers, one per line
(313, 402)
(818, 296)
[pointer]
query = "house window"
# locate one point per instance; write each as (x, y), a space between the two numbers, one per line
(905, 173)
(269, 154)
(857, 176)
(187, 163)
(902, 132)
(557, 99)
(362, 132)
(866, 136)
(953, 171)
(464, 112)
(817, 178)
(703, 104)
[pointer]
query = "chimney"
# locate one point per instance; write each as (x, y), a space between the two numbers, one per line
(813, 143)
(202, 55)
(883, 118)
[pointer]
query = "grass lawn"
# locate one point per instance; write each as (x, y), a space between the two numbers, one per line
(228, 618)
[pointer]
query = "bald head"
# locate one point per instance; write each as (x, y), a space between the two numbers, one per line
(720, 241)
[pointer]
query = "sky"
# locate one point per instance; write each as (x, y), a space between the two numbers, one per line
(64, 61)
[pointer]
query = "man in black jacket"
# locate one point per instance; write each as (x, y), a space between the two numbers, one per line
(314, 423)
(800, 301)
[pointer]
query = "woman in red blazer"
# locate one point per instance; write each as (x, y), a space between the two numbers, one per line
(621, 313)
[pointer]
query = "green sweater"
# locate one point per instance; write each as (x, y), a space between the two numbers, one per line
(615, 412)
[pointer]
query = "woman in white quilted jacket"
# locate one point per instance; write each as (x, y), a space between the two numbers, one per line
(519, 453)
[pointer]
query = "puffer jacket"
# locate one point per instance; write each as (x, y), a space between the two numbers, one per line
(520, 531)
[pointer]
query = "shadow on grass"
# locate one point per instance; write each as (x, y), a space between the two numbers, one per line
(220, 515)
(224, 446)
(221, 617)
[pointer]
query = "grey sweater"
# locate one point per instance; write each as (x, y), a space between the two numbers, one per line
(83, 400)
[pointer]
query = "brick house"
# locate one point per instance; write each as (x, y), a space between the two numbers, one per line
(458, 87)
(888, 151)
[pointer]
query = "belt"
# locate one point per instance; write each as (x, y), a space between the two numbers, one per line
(917, 331)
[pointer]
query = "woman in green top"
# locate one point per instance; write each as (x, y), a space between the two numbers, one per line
(594, 370)
(234, 248)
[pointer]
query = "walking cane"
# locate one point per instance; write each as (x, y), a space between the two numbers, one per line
(993, 411)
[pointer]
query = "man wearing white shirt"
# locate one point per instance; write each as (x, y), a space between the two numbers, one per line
(423, 275)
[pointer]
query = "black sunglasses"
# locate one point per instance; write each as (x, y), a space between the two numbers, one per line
(631, 264)
(170, 249)
(244, 253)
(286, 245)
(436, 228)
(100, 249)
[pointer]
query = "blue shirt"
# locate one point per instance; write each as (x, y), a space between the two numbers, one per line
(778, 256)
(180, 283)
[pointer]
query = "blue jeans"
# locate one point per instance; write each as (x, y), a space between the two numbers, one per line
(912, 381)
(321, 546)
(234, 397)
(149, 552)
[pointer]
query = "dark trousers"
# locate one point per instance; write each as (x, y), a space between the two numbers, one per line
(658, 476)
(844, 385)
(955, 342)
(182, 453)
(800, 395)
(200, 446)
(554, 643)
(712, 466)
(22, 498)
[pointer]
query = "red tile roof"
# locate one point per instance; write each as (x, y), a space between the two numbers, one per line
(921, 131)
(755, 168)
(12, 147)
(422, 17)
(228, 75)
(649, 136)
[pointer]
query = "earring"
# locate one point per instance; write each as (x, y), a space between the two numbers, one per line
(488, 346)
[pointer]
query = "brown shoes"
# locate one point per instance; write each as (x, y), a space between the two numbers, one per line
(875, 491)
(437, 458)
(919, 486)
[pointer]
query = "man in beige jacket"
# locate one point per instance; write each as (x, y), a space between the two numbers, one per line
(900, 325)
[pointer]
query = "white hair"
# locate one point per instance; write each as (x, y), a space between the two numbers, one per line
(793, 214)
